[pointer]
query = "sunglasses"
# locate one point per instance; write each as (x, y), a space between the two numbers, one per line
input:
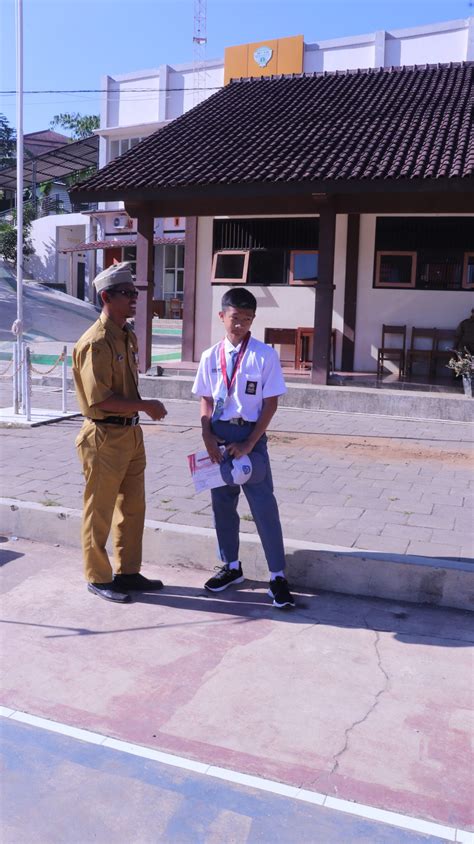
(130, 294)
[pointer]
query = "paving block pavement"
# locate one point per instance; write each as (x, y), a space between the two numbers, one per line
(360, 699)
(340, 478)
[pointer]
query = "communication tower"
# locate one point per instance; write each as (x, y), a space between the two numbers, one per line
(199, 50)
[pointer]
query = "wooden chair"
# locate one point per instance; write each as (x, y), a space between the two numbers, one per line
(159, 308)
(421, 348)
(176, 309)
(281, 337)
(395, 353)
(445, 342)
(303, 358)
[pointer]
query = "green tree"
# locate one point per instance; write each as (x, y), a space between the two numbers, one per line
(7, 142)
(81, 125)
(8, 237)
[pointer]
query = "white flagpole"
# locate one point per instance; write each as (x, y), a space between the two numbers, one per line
(19, 179)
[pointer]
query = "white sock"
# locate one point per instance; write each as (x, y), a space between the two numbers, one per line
(234, 565)
(274, 574)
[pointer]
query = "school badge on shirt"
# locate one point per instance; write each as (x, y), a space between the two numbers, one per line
(251, 388)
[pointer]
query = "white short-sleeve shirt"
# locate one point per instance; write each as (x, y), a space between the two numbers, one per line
(259, 376)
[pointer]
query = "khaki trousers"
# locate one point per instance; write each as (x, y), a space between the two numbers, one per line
(113, 461)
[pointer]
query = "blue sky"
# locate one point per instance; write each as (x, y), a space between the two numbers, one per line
(73, 43)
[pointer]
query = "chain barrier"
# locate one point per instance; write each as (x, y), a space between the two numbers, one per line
(22, 380)
(4, 372)
(56, 363)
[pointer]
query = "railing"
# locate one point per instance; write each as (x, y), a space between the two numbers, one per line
(48, 205)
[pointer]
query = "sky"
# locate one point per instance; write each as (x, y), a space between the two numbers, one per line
(71, 44)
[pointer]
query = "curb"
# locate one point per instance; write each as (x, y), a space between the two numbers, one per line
(427, 580)
(409, 404)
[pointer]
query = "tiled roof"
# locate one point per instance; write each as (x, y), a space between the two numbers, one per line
(405, 123)
(89, 245)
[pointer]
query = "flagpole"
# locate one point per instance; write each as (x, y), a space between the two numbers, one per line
(19, 180)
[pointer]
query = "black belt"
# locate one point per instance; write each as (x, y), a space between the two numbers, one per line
(237, 420)
(118, 420)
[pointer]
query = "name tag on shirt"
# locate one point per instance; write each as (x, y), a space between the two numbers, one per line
(251, 388)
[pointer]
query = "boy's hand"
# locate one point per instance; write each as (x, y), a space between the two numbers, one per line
(239, 449)
(212, 447)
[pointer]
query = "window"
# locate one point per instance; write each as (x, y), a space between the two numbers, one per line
(129, 253)
(439, 270)
(438, 246)
(468, 271)
(395, 269)
(122, 145)
(173, 272)
(304, 267)
(267, 266)
(230, 267)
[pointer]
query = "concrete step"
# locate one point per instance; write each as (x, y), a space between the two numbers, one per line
(381, 402)
(412, 404)
(428, 580)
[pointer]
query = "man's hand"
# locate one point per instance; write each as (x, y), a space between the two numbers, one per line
(239, 449)
(154, 409)
(212, 447)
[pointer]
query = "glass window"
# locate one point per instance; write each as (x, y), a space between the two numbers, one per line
(439, 270)
(267, 267)
(173, 272)
(129, 253)
(230, 267)
(114, 149)
(304, 267)
(468, 274)
(395, 269)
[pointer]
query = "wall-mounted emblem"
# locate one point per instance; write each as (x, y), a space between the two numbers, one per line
(262, 55)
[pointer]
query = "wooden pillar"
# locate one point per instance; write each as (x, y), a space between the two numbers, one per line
(350, 292)
(145, 284)
(189, 298)
(324, 296)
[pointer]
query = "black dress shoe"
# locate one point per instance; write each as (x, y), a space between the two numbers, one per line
(109, 592)
(136, 583)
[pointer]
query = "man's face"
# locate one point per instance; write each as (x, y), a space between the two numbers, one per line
(237, 321)
(121, 305)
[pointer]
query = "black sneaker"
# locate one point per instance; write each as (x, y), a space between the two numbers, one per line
(137, 583)
(225, 577)
(280, 593)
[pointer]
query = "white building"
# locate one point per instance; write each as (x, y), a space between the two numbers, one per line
(136, 105)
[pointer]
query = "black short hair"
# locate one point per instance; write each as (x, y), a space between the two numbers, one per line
(239, 297)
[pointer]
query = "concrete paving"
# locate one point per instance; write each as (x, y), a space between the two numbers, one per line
(359, 699)
(128, 799)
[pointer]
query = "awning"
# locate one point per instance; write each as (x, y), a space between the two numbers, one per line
(87, 246)
(55, 164)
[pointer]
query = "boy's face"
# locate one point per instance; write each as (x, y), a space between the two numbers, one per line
(237, 322)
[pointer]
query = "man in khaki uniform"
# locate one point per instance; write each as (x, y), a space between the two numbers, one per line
(110, 443)
(465, 334)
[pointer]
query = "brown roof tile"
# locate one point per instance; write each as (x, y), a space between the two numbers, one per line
(391, 123)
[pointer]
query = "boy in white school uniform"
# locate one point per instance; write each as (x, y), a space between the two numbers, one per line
(239, 381)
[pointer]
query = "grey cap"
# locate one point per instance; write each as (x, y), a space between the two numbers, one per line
(113, 276)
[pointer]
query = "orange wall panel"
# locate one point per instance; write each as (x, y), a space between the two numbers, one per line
(287, 57)
(235, 62)
(290, 55)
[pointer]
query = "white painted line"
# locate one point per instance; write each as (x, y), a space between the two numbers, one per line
(228, 775)
(252, 781)
(310, 796)
(156, 755)
(404, 821)
(57, 727)
(464, 837)
(5, 712)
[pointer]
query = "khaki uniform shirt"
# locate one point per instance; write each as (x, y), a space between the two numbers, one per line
(104, 363)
